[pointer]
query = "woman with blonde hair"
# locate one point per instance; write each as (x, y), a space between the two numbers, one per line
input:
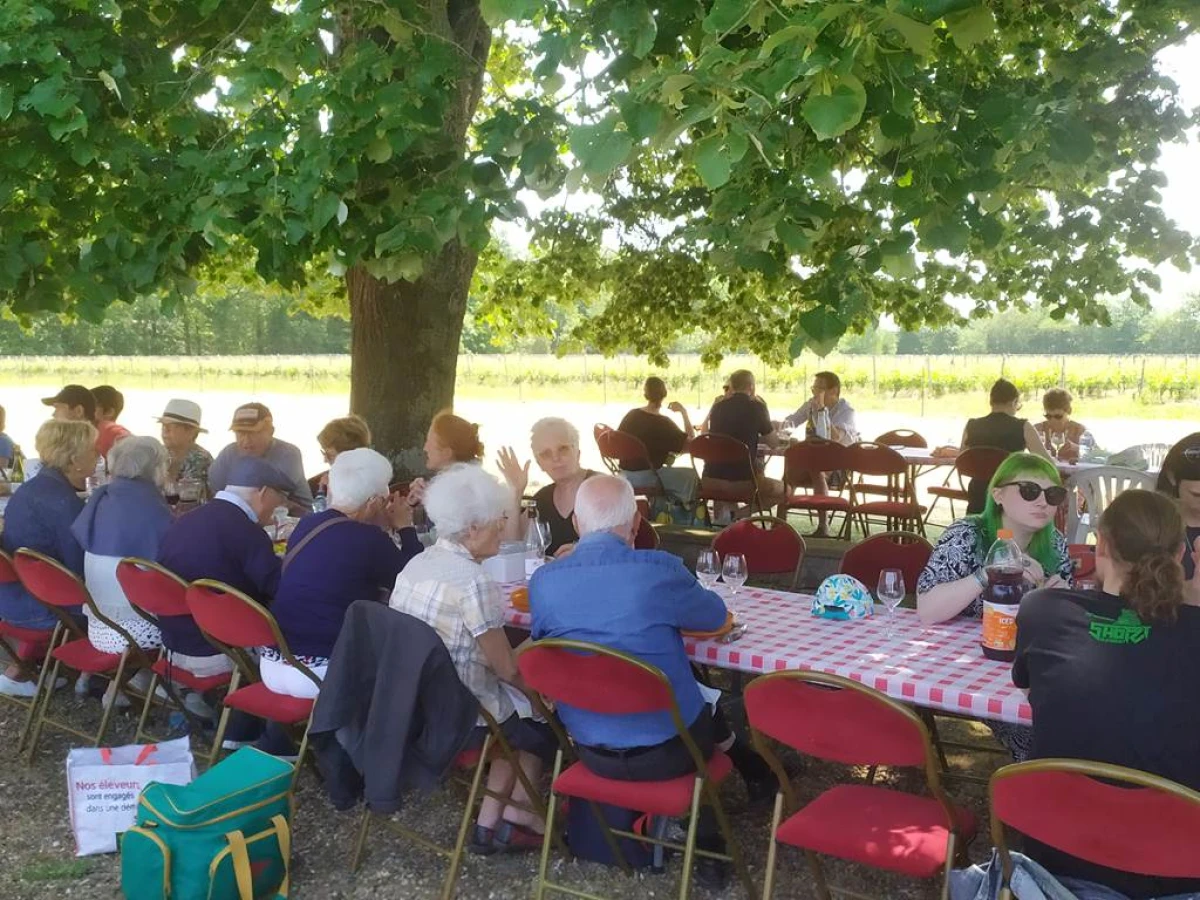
(39, 516)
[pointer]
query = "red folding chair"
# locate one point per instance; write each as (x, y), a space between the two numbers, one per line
(621, 451)
(974, 462)
(238, 625)
(722, 449)
(25, 648)
(771, 546)
(899, 504)
(154, 592)
(1108, 815)
(903, 550)
(840, 720)
(902, 437)
(602, 680)
(60, 590)
(799, 462)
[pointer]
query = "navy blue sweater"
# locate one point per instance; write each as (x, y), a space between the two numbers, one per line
(219, 541)
(346, 562)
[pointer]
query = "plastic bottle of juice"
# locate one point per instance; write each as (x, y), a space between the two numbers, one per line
(1002, 597)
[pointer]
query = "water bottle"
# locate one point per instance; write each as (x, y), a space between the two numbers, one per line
(535, 546)
(821, 424)
(320, 502)
(1005, 569)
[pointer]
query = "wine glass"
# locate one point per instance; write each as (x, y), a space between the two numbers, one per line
(1058, 440)
(708, 568)
(279, 516)
(890, 592)
(733, 573)
(543, 529)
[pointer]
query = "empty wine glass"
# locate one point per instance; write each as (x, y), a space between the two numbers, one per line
(708, 568)
(890, 592)
(1058, 440)
(544, 530)
(733, 573)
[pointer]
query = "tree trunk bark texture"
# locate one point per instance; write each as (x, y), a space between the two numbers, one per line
(404, 336)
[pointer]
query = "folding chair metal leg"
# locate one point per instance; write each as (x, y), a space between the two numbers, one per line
(451, 880)
(360, 841)
(552, 807)
(689, 848)
(814, 863)
(772, 848)
(112, 704)
(302, 751)
(41, 692)
(951, 854)
(732, 847)
(930, 723)
(40, 719)
(223, 722)
(141, 725)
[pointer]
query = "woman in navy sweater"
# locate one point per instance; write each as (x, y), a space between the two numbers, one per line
(350, 556)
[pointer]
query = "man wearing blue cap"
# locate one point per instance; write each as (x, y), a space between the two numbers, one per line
(224, 539)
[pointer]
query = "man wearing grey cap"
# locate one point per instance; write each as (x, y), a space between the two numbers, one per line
(254, 430)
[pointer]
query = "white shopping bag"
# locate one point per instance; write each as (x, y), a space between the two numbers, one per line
(103, 786)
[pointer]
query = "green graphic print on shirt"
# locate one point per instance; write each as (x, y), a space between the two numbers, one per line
(1126, 628)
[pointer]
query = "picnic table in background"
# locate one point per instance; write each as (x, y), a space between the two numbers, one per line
(939, 667)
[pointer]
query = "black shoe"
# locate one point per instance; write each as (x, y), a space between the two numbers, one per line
(482, 842)
(712, 873)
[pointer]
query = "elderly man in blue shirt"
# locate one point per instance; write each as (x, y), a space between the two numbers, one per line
(639, 602)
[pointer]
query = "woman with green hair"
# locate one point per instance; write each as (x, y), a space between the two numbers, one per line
(1022, 497)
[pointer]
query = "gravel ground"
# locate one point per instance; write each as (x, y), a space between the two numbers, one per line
(37, 859)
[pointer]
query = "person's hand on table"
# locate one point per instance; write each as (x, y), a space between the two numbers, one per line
(1034, 571)
(564, 550)
(514, 473)
(416, 492)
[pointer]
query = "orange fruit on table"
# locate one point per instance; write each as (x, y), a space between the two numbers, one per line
(520, 599)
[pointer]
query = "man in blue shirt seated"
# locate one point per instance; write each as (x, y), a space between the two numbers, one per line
(638, 602)
(254, 432)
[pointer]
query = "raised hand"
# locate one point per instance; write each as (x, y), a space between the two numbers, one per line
(514, 473)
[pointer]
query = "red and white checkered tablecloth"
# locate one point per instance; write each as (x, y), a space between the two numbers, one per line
(940, 667)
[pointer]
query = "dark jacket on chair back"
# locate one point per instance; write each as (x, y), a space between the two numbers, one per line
(393, 696)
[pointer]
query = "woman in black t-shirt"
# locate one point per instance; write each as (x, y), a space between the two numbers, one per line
(1112, 673)
(663, 440)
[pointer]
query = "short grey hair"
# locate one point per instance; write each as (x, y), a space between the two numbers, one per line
(139, 457)
(604, 503)
(554, 423)
(356, 476)
(464, 495)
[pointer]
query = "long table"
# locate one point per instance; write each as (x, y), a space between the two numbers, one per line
(939, 667)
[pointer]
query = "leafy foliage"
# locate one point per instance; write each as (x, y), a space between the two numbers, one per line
(774, 174)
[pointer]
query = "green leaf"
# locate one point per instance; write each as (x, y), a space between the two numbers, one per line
(794, 238)
(110, 83)
(600, 148)
(821, 328)
(497, 12)
(634, 24)
(943, 230)
(60, 128)
(1071, 142)
(49, 98)
(725, 15)
(917, 35)
(713, 161)
(835, 113)
(379, 150)
(6, 101)
(641, 119)
(971, 26)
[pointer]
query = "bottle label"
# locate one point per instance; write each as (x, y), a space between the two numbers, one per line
(999, 626)
(532, 564)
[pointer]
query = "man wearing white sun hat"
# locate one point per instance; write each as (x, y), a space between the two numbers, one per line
(180, 428)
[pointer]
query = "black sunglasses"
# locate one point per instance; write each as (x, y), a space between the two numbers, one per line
(1029, 490)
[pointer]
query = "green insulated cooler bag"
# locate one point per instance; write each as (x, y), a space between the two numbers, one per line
(225, 836)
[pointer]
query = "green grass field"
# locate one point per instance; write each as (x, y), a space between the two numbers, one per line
(1161, 387)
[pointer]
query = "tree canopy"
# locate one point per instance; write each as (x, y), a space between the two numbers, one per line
(775, 172)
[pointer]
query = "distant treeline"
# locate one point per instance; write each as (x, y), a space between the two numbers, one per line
(240, 321)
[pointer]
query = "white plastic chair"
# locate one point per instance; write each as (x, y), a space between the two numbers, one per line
(1098, 487)
(1153, 454)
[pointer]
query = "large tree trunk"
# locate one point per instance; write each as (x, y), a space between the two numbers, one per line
(404, 336)
(404, 352)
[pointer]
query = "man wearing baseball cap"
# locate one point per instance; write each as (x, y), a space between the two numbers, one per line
(254, 431)
(74, 403)
(180, 427)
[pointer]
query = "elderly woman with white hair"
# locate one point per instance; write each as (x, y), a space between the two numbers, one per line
(447, 587)
(555, 446)
(126, 517)
(335, 557)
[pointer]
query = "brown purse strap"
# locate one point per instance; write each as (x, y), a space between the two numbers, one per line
(291, 554)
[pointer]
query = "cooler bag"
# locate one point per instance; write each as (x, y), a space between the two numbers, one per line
(225, 836)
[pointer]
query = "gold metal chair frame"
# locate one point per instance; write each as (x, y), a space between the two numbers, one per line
(173, 701)
(755, 501)
(28, 668)
(494, 741)
(787, 791)
(1097, 770)
(132, 659)
(244, 667)
(899, 487)
(704, 789)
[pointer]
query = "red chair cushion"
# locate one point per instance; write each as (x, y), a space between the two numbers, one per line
(819, 501)
(468, 759)
(877, 827)
(28, 635)
(81, 656)
(893, 508)
(177, 673)
(259, 700)
(672, 797)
